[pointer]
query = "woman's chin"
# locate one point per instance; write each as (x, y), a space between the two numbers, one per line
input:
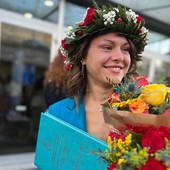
(116, 80)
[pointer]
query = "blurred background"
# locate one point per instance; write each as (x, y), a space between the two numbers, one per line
(30, 33)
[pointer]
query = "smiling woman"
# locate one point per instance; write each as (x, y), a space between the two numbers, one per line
(106, 44)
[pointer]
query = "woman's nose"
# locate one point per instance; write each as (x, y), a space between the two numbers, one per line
(117, 55)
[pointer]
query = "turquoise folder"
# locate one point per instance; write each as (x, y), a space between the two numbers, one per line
(61, 146)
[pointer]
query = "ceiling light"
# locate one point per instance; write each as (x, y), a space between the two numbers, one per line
(28, 15)
(49, 3)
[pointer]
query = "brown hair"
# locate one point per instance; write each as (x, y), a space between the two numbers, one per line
(56, 73)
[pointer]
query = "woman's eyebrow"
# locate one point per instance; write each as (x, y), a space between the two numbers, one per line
(113, 42)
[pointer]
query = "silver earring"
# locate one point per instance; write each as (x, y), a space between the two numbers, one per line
(82, 70)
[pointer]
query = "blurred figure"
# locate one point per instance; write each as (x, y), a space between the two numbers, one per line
(54, 88)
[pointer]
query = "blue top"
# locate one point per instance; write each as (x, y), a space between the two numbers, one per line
(67, 111)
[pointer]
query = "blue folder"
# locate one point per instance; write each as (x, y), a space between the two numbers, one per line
(61, 146)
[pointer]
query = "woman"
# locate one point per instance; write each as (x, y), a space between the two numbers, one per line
(104, 47)
(54, 90)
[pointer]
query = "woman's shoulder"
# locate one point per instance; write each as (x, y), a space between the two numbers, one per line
(68, 103)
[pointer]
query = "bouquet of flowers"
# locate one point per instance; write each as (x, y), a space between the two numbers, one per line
(143, 148)
(140, 97)
(141, 102)
(138, 116)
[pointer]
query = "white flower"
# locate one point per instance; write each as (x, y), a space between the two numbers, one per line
(139, 63)
(109, 17)
(145, 31)
(116, 9)
(70, 33)
(131, 15)
(63, 51)
(66, 62)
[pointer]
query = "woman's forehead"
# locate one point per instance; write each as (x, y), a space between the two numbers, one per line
(112, 38)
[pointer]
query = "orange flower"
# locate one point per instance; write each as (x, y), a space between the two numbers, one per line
(115, 97)
(138, 106)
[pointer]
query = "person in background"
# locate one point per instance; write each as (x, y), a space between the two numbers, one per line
(54, 81)
(106, 44)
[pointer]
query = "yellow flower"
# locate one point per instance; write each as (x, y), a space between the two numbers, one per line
(109, 142)
(154, 94)
(121, 161)
(123, 103)
(128, 139)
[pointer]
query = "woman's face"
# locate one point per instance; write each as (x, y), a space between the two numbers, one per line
(108, 56)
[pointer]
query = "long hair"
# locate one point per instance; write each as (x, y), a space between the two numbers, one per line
(56, 73)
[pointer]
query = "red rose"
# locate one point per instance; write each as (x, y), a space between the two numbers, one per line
(165, 131)
(64, 44)
(89, 17)
(154, 140)
(116, 136)
(112, 166)
(153, 164)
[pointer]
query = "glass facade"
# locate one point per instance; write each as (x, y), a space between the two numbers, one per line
(24, 59)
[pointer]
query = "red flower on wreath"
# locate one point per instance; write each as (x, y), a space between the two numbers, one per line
(64, 44)
(139, 18)
(89, 17)
(68, 67)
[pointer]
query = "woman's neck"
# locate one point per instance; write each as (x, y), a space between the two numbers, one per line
(98, 93)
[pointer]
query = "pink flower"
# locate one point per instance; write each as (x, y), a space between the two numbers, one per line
(167, 112)
(142, 81)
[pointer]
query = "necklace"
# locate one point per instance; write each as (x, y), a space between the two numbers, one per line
(101, 109)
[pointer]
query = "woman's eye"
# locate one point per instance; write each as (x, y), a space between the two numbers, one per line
(126, 49)
(107, 47)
